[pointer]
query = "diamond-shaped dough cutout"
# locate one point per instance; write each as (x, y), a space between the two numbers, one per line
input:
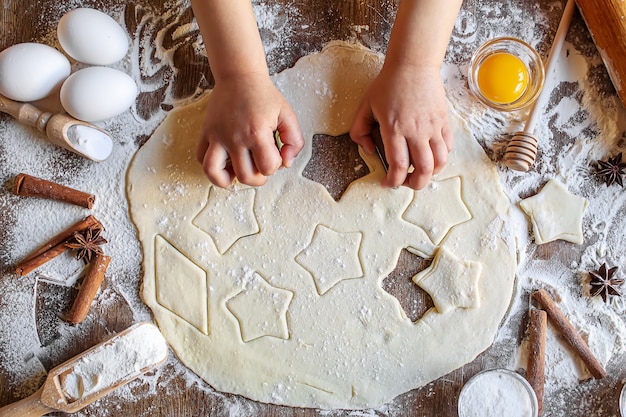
(451, 282)
(332, 257)
(235, 208)
(256, 316)
(437, 223)
(181, 285)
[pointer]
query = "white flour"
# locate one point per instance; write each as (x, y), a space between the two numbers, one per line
(122, 358)
(496, 393)
(582, 110)
(91, 142)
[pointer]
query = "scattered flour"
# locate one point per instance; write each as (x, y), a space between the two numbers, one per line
(123, 357)
(582, 122)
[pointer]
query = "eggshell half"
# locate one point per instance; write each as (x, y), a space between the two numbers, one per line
(31, 71)
(97, 93)
(92, 37)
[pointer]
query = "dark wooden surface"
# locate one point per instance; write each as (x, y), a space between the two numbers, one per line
(310, 25)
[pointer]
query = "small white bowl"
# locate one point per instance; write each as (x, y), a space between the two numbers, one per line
(511, 395)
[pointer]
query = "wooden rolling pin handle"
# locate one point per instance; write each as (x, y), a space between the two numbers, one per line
(27, 407)
(607, 25)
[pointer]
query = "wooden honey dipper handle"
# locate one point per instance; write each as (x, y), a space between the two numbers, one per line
(521, 151)
(607, 25)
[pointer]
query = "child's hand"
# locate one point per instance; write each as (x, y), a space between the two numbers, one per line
(410, 106)
(237, 137)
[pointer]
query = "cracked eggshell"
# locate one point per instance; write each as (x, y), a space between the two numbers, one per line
(94, 94)
(31, 71)
(92, 37)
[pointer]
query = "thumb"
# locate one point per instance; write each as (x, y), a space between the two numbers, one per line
(290, 135)
(361, 131)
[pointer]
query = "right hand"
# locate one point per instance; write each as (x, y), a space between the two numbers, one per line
(237, 138)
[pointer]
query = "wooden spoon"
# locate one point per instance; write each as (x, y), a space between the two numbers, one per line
(55, 126)
(67, 387)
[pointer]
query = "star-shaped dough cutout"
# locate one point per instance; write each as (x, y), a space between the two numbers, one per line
(228, 216)
(450, 281)
(438, 208)
(332, 257)
(555, 213)
(261, 310)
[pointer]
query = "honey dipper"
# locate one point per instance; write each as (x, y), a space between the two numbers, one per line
(94, 373)
(521, 150)
(74, 135)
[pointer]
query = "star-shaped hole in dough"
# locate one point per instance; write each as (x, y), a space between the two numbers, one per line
(228, 216)
(555, 213)
(414, 301)
(332, 257)
(450, 281)
(438, 208)
(261, 310)
(335, 163)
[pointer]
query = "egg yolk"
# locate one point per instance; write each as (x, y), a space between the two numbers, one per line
(502, 78)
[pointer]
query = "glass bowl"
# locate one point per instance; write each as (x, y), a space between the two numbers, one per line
(497, 392)
(529, 57)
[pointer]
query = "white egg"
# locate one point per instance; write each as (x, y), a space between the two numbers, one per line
(31, 71)
(97, 93)
(92, 37)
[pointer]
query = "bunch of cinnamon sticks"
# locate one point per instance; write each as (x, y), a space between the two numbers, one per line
(537, 335)
(83, 236)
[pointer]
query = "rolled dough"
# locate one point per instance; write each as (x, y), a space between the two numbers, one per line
(274, 293)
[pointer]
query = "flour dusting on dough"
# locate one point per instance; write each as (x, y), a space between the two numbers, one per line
(328, 336)
(588, 112)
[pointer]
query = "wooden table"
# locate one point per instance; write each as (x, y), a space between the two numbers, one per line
(296, 28)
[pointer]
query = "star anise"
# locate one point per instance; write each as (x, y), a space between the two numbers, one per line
(603, 284)
(611, 170)
(87, 243)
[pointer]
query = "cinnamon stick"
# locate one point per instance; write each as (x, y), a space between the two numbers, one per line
(29, 265)
(569, 333)
(54, 246)
(29, 186)
(535, 371)
(88, 289)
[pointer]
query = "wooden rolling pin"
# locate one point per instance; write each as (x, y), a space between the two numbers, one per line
(606, 21)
